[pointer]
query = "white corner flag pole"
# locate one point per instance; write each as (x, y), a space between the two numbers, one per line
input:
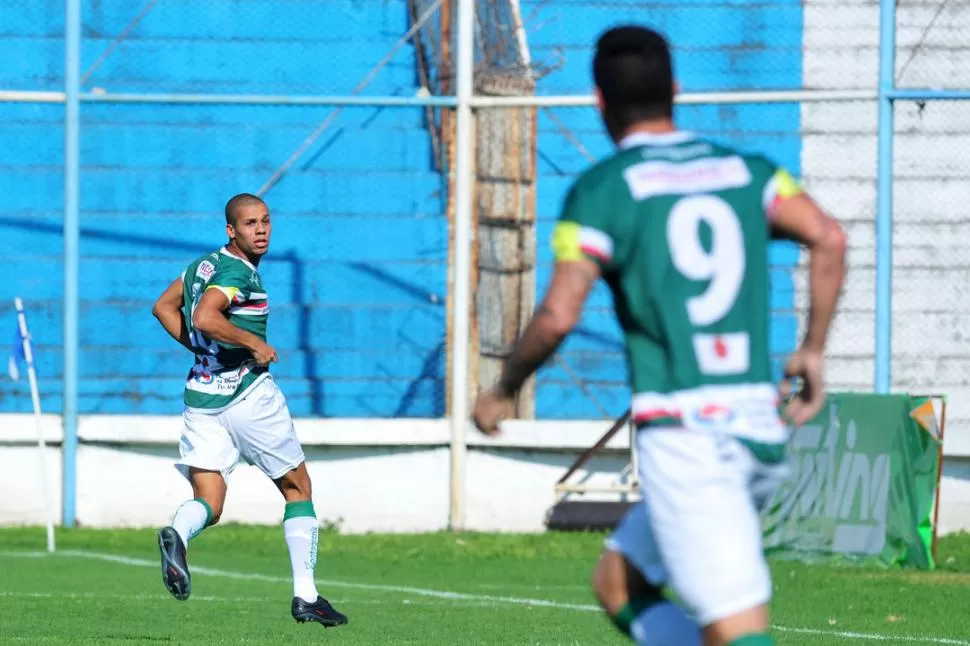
(35, 398)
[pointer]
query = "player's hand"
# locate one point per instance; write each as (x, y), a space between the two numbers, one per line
(808, 401)
(264, 355)
(491, 407)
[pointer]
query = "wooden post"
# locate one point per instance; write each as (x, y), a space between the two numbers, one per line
(505, 205)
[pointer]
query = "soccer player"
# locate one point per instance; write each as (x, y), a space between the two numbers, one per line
(218, 310)
(679, 227)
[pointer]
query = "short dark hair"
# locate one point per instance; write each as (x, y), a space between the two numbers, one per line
(632, 69)
(237, 201)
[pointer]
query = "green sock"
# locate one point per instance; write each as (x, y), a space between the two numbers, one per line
(298, 509)
(628, 614)
(760, 639)
(623, 619)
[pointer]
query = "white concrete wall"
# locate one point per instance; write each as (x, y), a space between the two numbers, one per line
(931, 270)
(368, 475)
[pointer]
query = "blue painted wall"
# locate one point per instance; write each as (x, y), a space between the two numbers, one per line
(719, 45)
(357, 272)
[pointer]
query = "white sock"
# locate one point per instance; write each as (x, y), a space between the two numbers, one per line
(190, 519)
(665, 624)
(301, 538)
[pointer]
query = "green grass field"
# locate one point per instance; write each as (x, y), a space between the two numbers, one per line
(104, 587)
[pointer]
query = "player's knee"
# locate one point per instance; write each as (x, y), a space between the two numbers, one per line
(295, 485)
(213, 499)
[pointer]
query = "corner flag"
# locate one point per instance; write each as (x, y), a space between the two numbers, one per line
(20, 350)
(16, 356)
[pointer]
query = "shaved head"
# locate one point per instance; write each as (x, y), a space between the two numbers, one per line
(248, 226)
(238, 203)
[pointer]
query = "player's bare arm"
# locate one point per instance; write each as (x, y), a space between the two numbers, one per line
(800, 219)
(210, 319)
(559, 312)
(168, 311)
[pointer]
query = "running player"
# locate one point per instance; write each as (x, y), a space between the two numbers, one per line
(679, 228)
(218, 309)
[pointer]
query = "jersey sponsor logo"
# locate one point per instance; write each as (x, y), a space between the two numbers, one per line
(227, 382)
(681, 152)
(653, 178)
(714, 415)
(743, 410)
(202, 376)
(202, 370)
(206, 270)
(723, 354)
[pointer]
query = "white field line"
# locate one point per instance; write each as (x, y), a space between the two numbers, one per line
(873, 637)
(485, 599)
(155, 598)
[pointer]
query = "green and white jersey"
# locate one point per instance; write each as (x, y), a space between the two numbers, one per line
(223, 373)
(680, 229)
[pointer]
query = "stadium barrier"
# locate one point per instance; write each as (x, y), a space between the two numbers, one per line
(863, 484)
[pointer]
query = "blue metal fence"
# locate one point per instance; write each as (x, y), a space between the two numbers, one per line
(122, 202)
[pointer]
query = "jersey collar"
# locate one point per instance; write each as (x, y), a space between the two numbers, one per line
(655, 139)
(225, 252)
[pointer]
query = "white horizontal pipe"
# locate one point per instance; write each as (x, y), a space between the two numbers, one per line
(698, 98)
(18, 96)
(695, 98)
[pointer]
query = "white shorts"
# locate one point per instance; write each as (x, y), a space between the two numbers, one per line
(257, 428)
(697, 528)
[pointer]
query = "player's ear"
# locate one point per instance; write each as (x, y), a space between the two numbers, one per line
(230, 231)
(676, 88)
(600, 101)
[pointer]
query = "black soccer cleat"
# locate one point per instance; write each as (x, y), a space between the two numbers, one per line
(175, 569)
(319, 611)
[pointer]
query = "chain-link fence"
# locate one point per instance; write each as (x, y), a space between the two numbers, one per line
(931, 275)
(930, 38)
(356, 271)
(929, 189)
(189, 103)
(270, 47)
(32, 179)
(773, 46)
(716, 46)
(810, 139)
(838, 167)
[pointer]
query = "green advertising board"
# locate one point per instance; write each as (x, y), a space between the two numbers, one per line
(862, 484)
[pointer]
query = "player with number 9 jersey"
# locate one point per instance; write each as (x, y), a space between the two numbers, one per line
(678, 227)
(683, 247)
